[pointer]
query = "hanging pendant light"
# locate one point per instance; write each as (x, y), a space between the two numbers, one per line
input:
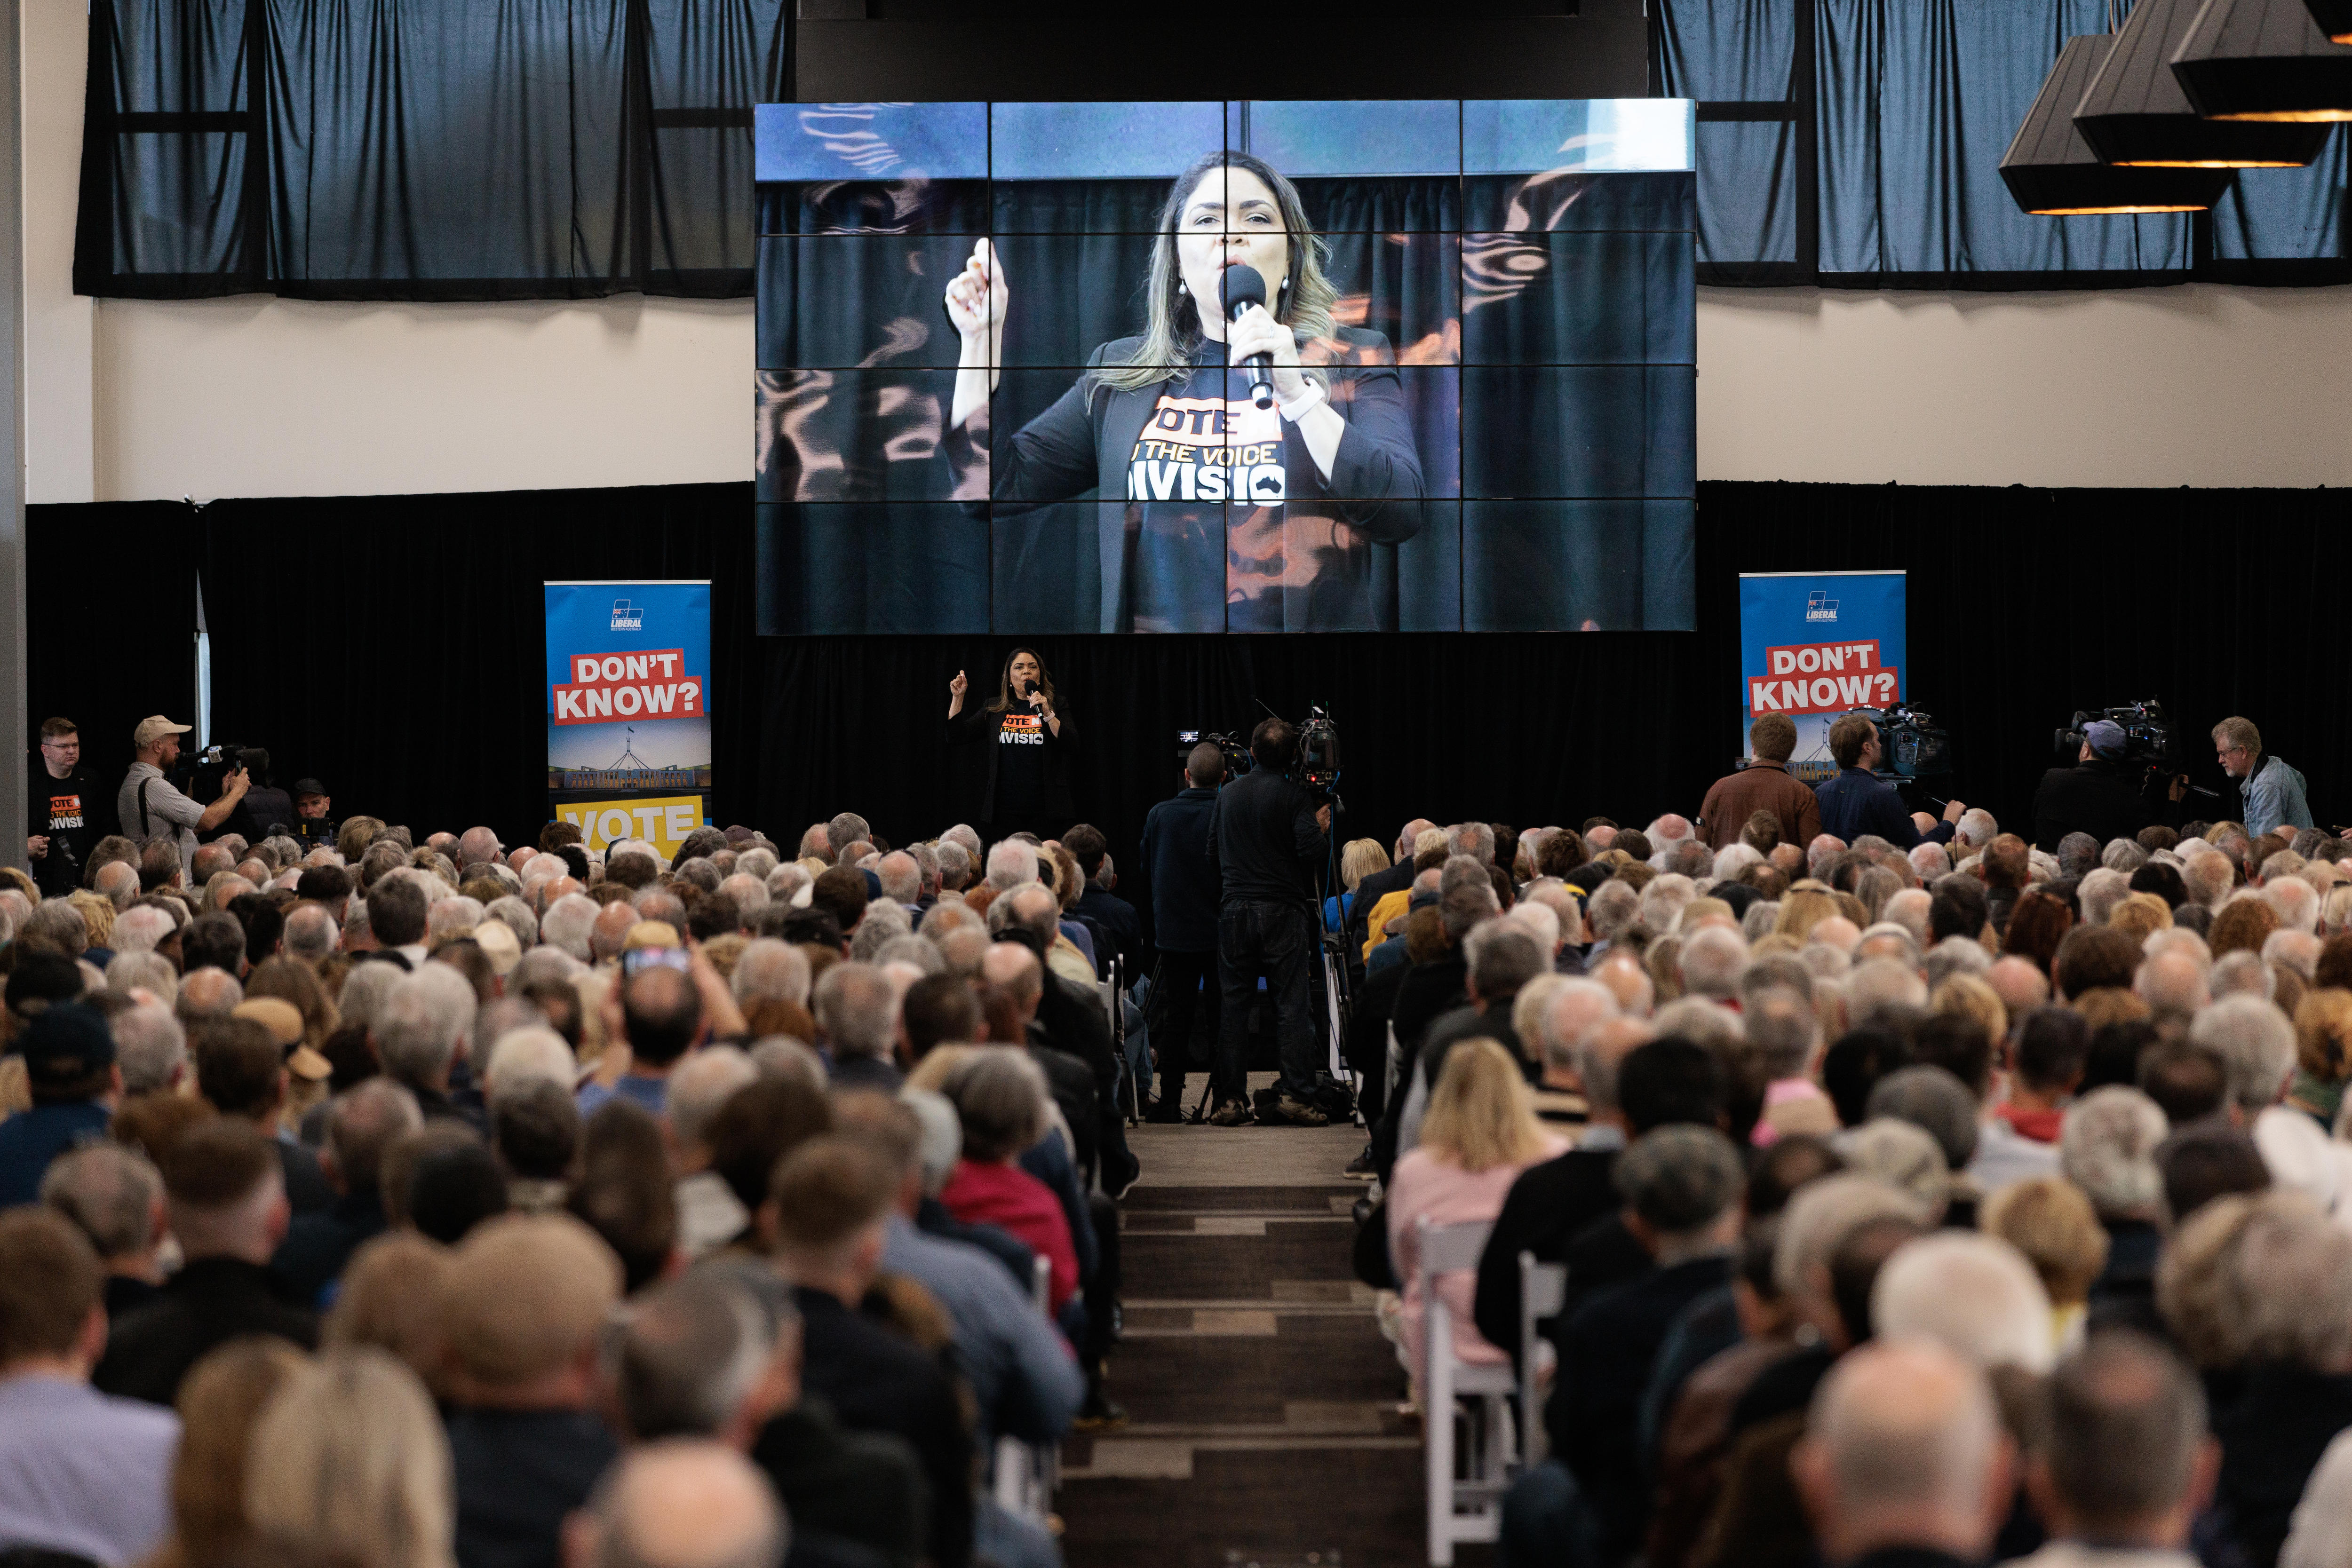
(2135, 113)
(2263, 59)
(2053, 172)
(2333, 16)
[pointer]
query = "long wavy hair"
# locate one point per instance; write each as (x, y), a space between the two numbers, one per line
(1172, 323)
(1004, 679)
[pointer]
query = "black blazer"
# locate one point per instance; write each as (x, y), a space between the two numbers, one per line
(975, 726)
(1082, 445)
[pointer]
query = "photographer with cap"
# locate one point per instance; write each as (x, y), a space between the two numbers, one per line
(314, 814)
(2099, 795)
(151, 806)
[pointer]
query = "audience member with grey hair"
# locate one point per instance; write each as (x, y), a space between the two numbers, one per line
(531, 1055)
(1711, 960)
(150, 972)
(1934, 1100)
(684, 1503)
(515, 915)
(1611, 912)
(2295, 901)
(568, 924)
(2099, 893)
(2242, 974)
(1974, 1295)
(885, 922)
(140, 928)
(2107, 1148)
(1876, 987)
(856, 1009)
(151, 1047)
(114, 1196)
(705, 1354)
(1904, 1157)
(780, 1056)
(2294, 950)
(2173, 977)
(1887, 940)
(2256, 1040)
(1954, 955)
(1011, 863)
(419, 1029)
(771, 970)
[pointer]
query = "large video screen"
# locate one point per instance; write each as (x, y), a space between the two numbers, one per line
(1246, 366)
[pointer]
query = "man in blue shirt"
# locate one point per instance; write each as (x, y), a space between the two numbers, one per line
(70, 1065)
(1184, 896)
(1855, 803)
(2272, 790)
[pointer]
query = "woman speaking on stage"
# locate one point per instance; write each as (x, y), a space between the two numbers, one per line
(1029, 740)
(1216, 511)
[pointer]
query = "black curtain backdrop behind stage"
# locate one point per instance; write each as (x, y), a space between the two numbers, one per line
(393, 646)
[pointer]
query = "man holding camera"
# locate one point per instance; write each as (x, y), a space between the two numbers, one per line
(150, 807)
(1856, 802)
(1266, 836)
(2098, 795)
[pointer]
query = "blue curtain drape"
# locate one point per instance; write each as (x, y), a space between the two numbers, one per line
(1856, 143)
(424, 149)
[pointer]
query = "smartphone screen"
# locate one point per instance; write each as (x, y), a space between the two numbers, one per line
(637, 960)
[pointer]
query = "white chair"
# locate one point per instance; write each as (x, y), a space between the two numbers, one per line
(1026, 1477)
(1543, 1290)
(1468, 1506)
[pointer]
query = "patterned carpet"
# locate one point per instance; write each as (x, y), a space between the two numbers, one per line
(1263, 1401)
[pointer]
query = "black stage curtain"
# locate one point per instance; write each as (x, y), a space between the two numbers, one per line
(438, 149)
(392, 647)
(106, 646)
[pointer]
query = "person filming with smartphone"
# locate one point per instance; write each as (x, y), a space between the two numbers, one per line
(1030, 738)
(151, 807)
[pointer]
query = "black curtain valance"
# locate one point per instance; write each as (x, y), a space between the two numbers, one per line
(436, 149)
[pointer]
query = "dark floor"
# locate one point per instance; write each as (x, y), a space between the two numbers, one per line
(1262, 1402)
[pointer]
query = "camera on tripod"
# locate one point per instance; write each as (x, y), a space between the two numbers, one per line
(1238, 760)
(1314, 763)
(2149, 738)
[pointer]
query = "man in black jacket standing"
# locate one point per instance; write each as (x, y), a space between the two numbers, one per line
(2096, 796)
(1184, 923)
(1266, 836)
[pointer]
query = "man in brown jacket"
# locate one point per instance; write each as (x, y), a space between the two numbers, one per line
(1763, 784)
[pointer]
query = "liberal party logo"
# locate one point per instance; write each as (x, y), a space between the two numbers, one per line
(1819, 606)
(628, 617)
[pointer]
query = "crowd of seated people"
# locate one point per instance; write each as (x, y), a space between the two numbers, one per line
(405, 1205)
(1949, 1204)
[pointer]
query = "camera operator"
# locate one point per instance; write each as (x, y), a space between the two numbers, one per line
(2098, 795)
(314, 815)
(1857, 802)
(1266, 838)
(151, 806)
(1184, 923)
(265, 809)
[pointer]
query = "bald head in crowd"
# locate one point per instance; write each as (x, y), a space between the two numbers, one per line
(1903, 1450)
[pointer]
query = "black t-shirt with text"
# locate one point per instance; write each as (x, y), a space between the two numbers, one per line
(1205, 491)
(67, 811)
(1020, 762)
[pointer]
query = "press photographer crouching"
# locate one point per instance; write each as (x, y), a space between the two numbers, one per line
(2103, 795)
(1266, 836)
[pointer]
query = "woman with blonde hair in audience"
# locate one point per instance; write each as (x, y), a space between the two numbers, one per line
(2323, 1053)
(1969, 996)
(1803, 908)
(1479, 1133)
(2140, 915)
(1359, 858)
(2050, 1220)
(349, 1456)
(220, 1399)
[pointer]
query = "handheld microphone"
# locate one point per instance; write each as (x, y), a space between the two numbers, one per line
(1242, 286)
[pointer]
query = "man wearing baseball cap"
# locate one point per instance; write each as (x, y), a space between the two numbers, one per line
(314, 813)
(2099, 795)
(150, 807)
(70, 1067)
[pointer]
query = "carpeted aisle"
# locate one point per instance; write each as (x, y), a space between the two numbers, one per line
(1263, 1399)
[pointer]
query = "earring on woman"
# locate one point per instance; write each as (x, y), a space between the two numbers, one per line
(1181, 290)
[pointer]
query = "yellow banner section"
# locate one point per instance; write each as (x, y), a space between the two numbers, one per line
(662, 822)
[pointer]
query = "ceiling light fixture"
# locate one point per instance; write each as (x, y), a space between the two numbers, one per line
(2051, 172)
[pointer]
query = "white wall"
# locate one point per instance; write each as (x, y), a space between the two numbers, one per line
(138, 399)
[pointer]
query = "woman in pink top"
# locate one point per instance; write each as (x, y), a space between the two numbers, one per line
(1479, 1133)
(1000, 1097)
